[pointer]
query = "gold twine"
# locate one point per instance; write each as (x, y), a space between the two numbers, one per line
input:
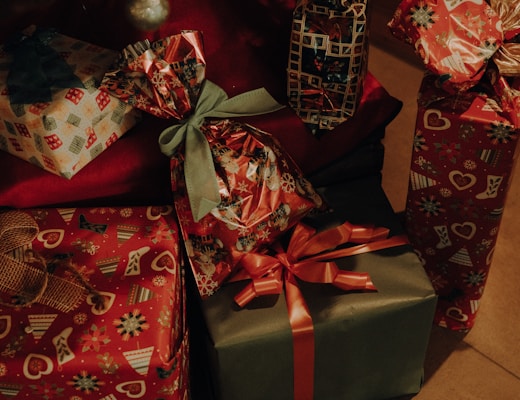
(29, 279)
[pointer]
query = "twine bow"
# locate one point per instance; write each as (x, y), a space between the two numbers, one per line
(308, 258)
(36, 68)
(507, 57)
(199, 170)
(32, 283)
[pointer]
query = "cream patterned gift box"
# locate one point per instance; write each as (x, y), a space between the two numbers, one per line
(76, 124)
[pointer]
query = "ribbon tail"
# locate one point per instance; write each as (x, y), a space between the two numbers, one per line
(254, 102)
(199, 170)
(303, 340)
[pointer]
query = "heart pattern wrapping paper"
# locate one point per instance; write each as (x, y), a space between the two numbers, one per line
(464, 152)
(134, 345)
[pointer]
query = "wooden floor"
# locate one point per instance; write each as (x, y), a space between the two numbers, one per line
(484, 364)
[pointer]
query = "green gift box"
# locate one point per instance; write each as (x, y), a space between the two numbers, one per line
(368, 345)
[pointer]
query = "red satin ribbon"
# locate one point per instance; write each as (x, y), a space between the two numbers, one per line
(308, 257)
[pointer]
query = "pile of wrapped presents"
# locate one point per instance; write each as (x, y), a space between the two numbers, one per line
(191, 202)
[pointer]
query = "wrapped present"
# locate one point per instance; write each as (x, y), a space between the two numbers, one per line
(361, 345)
(464, 150)
(235, 188)
(92, 304)
(327, 61)
(52, 112)
(162, 78)
(455, 40)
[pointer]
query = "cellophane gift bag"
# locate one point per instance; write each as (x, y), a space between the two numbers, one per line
(328, 60)
(93, 304)
(235, 188)
(52, 113)
(465, 143)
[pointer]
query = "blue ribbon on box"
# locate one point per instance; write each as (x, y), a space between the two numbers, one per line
(36, 68)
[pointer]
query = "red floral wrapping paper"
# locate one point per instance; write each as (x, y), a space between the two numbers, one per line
(327, 61)
(465, 148)
(162, 78)
(135, 346)
(454, 39)
(263, 194)
(64, 134)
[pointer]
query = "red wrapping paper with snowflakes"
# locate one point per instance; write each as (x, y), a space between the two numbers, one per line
(454, 39)
(134, 345)
(263, 194)
(464, 151)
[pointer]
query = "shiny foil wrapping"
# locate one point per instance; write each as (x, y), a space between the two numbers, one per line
(162, 78)
(454, 39)
(263, 194)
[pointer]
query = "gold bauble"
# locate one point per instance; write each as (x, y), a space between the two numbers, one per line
(147, 15)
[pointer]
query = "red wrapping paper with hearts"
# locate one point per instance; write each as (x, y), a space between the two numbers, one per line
(133, 343)
(464, 151)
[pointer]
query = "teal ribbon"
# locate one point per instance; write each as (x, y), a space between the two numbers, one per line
(36, 68)
(199, 170)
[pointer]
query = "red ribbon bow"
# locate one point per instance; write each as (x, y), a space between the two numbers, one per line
(308, 257)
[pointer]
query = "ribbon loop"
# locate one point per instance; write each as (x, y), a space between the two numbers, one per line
(199, 170)
(304, 260)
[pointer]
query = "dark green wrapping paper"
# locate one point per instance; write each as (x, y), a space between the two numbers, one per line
(368, 345)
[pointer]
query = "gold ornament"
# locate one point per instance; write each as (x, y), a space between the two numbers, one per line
(147, 15)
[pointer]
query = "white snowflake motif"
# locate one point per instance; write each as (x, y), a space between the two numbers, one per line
(243, 187)
(126, 212)
(288, 183)
(206, 285)
(141, 101)
(243, 230)
(264, 234)
(159, 280)
(445, 192)
(422, 15)
(158, 79)
(470, 164)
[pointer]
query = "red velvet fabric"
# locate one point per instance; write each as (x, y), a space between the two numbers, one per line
(246, 45)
